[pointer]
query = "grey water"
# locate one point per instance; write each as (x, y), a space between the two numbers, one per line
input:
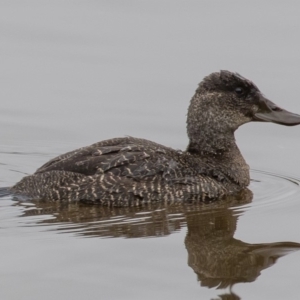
(76, 72)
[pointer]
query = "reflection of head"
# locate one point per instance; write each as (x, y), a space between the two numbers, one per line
(231, 296)
(218, 259)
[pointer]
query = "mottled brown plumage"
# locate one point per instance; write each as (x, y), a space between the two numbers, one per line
(130, 171)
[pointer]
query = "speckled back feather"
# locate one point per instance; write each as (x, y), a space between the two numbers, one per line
(124, 171)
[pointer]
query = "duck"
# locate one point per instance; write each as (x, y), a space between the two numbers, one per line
(130, 171)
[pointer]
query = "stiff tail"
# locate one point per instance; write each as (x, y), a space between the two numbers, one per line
(4, 191)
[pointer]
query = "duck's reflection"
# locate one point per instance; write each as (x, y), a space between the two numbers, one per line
(218, 259)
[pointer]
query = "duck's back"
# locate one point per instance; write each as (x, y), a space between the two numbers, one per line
(121, 156)
(123, 171)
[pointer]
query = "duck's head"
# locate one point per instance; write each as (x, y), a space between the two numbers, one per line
(241, 97)
(224, 101)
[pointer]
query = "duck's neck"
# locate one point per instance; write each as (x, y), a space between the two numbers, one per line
(211, 142)
(216, 146)
(229, 162)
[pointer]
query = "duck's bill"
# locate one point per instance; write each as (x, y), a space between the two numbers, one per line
(270, 112)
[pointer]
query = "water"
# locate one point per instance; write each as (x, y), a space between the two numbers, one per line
(75, 72)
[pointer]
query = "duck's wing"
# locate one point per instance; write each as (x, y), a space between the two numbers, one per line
(121, 156)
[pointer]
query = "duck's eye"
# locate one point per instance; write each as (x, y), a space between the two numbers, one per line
(239, 91)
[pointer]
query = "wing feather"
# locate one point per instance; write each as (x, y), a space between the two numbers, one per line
(120, 156)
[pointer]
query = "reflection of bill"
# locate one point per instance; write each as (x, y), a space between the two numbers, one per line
(218, 259)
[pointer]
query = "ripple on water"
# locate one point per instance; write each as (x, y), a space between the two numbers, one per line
(272, 191)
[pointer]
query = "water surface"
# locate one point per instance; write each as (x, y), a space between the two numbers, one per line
(76, 72)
